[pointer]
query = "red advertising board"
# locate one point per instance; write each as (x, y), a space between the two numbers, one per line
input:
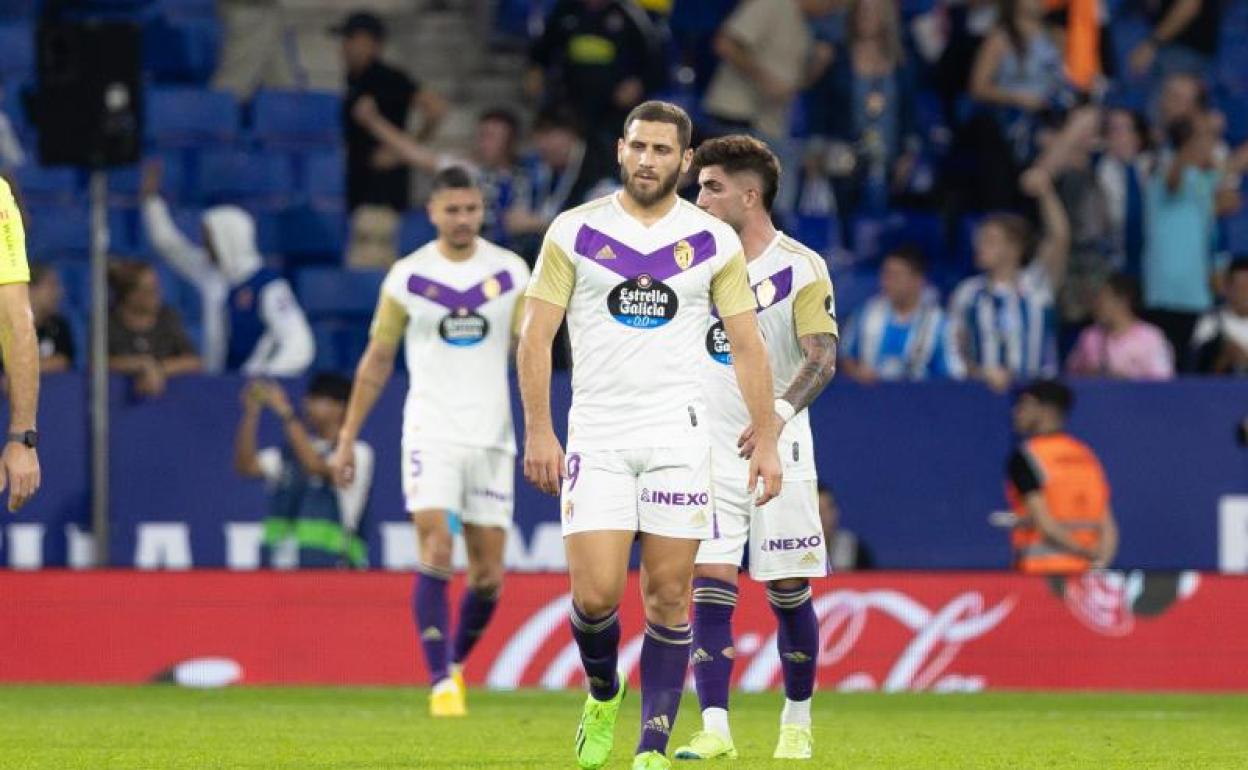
(879, 631)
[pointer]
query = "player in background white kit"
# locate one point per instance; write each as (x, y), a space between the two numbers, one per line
(636, 273)
(455, 304)
(739, 176)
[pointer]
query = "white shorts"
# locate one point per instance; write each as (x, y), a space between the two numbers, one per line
(662, 491)
(785, 536)
(478, 484)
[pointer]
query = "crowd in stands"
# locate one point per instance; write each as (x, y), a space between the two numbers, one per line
(1004, 189)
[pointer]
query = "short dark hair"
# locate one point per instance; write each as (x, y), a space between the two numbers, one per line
(1139, 124)
(331, 385)
(453, 178)
(1016, 228)
(1238, 265)
(737, 154)
(1125, 288)
(557, 117)
(1050, 393)
(911, 256)
(655, 111)
(501, 115)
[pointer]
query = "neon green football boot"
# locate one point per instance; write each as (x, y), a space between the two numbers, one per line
(595, 735)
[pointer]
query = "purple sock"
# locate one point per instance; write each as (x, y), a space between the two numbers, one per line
(664, 662)
(475, 610)
(429, 610)
(599, 643)
(713, 653)
(797, 640)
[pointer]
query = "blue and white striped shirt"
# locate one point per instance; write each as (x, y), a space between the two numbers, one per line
(914, 348)
(1013, 327)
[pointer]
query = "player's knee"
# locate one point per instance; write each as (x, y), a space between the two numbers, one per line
(486, 582)
(668, 603)
(435, 549)
(595, 604)
(788, 584)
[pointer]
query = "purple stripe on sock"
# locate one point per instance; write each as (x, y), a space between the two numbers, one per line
(797, 641)
(430, 612)
(475, 611)
(663, 668)
(599, 652)
(713, 651)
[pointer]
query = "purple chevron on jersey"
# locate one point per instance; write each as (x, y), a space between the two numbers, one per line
(781, 286)
(624, 260)
(469, 299)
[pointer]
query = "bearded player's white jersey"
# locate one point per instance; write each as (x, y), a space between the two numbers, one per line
(638, 299)
(793, 294)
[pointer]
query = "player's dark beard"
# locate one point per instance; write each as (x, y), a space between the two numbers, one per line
(664, 189)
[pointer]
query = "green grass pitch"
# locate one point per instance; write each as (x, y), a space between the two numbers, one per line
(165, 728)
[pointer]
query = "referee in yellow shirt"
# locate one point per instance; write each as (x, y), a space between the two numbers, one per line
(19, 465)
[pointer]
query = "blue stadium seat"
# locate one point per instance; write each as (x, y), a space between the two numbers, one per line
(297, 119)
(49, 185)
(253, 179)
(124, 183)
(854, 284)
(18, 9)
(191, 117)
(17, 50)
(181, 50)
(76, 280)
(59, 232)
(123, 230)
(415, 231)
(203, 8)
(339, 344)
(323, 176)
(336, 293)
(312, 233)
(186, 219)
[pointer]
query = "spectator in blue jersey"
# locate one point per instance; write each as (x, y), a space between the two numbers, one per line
(901, 333)
(311, 523)
(1002, 321)
(252, 321)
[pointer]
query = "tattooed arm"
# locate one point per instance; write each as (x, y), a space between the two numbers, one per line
(819, 352)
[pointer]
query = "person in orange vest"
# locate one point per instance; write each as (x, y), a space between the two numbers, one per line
(1057, 489)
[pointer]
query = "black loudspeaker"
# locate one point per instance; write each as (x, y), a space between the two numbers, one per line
(89, 101)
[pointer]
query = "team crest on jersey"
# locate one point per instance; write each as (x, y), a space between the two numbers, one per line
(765, 293)
(682, 252)
(491, 288)
(605, 253)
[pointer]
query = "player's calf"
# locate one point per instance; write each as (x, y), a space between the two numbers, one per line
(797, 641)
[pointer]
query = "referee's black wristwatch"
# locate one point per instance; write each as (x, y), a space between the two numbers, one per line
(27, 438)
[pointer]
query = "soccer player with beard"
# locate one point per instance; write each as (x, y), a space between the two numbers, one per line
(453, 304)
(636, 274)
(739, 176)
